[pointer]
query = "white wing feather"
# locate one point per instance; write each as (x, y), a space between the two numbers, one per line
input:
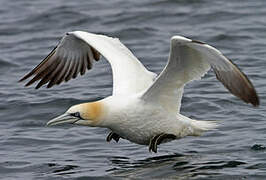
(190, 60)
(77, 51)
(129, 74)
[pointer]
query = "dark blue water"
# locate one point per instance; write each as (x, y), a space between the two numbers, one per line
(30, 150)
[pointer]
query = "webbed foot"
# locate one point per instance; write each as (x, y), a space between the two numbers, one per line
(113, 136)
(156, 140)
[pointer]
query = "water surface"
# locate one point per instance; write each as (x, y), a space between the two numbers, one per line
(30, 150)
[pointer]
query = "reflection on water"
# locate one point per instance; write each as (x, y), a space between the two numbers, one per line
(176, 166)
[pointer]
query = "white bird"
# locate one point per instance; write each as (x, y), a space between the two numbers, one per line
(144, 108)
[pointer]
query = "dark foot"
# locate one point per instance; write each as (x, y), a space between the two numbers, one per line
(113, 136)
(158, 139)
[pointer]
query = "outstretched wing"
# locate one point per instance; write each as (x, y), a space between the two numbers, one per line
(190, 60)
(77, 52)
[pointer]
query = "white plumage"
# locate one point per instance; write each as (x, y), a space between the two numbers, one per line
(144, 108)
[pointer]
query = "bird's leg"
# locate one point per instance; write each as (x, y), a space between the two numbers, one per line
(152, 144)
(113, 136)
(156, 140)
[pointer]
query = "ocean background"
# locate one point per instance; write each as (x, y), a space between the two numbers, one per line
(30, 29)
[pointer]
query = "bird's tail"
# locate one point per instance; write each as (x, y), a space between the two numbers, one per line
(200, 126)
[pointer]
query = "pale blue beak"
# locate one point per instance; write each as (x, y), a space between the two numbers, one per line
(63, 119)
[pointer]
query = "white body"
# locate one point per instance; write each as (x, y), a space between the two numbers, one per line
(139, 121)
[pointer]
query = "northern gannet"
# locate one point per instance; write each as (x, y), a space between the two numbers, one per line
(144, 108)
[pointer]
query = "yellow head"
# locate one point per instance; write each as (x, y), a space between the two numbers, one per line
(87, 114)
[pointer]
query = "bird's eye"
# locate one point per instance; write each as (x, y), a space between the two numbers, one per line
(76, 114)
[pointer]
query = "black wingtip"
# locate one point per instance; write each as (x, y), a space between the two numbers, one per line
(28, 84)
(254, 100)
(26, 76)
(37, 87)
(19, 81)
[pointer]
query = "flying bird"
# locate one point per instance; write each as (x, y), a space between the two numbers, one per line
(144, 107)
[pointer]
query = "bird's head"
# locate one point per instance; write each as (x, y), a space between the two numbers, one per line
(87, 114)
